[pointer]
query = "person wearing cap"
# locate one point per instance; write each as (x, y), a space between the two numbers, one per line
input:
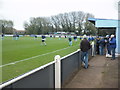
(108, 53)
(113, 46)
(85, 46)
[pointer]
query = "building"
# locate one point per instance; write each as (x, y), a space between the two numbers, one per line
(20, 32)
(108, 26)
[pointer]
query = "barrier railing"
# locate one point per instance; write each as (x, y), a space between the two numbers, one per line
(52, 75)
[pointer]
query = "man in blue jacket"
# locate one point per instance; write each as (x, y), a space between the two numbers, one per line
(113, 46)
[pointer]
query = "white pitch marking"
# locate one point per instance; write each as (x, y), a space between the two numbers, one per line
(32, 57)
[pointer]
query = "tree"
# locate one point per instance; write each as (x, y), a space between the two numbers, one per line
(7, 26)
(66, 22)
(89, 27)
(37, 25)
(80, 20)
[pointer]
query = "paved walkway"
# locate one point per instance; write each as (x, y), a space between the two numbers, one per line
(102, 73)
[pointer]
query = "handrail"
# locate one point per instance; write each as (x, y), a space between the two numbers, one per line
(24, 75)
(33, 71)
(70, 54)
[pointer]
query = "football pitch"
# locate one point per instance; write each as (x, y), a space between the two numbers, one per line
(21, 56)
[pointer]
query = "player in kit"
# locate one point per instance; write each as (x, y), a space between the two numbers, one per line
(35, 37)
(70, 40)
(75, 38)
(2, 37)
(59, 37)
(17, 36)
(50, 36)
(43, 39)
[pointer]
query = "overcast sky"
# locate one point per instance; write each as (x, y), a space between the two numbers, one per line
(21, 10)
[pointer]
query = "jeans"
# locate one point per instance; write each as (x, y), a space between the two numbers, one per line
(101, 50)
(113, 53)
(84, 58)
(109, 50)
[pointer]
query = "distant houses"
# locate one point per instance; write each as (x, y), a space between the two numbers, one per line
(21, 32)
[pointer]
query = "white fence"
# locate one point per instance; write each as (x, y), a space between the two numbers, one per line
(51, 75)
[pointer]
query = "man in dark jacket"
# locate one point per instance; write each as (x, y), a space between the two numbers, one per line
(101, 46)
(97, 45)
(85, 46)
(107, 44)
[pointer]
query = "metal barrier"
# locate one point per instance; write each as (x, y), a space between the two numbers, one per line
(42, 77)
(51, 75)
(69, 65)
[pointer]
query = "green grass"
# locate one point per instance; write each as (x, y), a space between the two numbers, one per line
(26, 47)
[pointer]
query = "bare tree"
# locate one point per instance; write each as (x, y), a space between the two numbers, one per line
(67, 22)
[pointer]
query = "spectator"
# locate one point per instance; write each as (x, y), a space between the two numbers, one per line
(89, 38)
(97, 45)
(101, 46)
(93, 47)
(108, 49)
(85, 46)
(92, 38)
(113, 46)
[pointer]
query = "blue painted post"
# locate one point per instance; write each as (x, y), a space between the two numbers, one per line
(118, 30)
(118, 39)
